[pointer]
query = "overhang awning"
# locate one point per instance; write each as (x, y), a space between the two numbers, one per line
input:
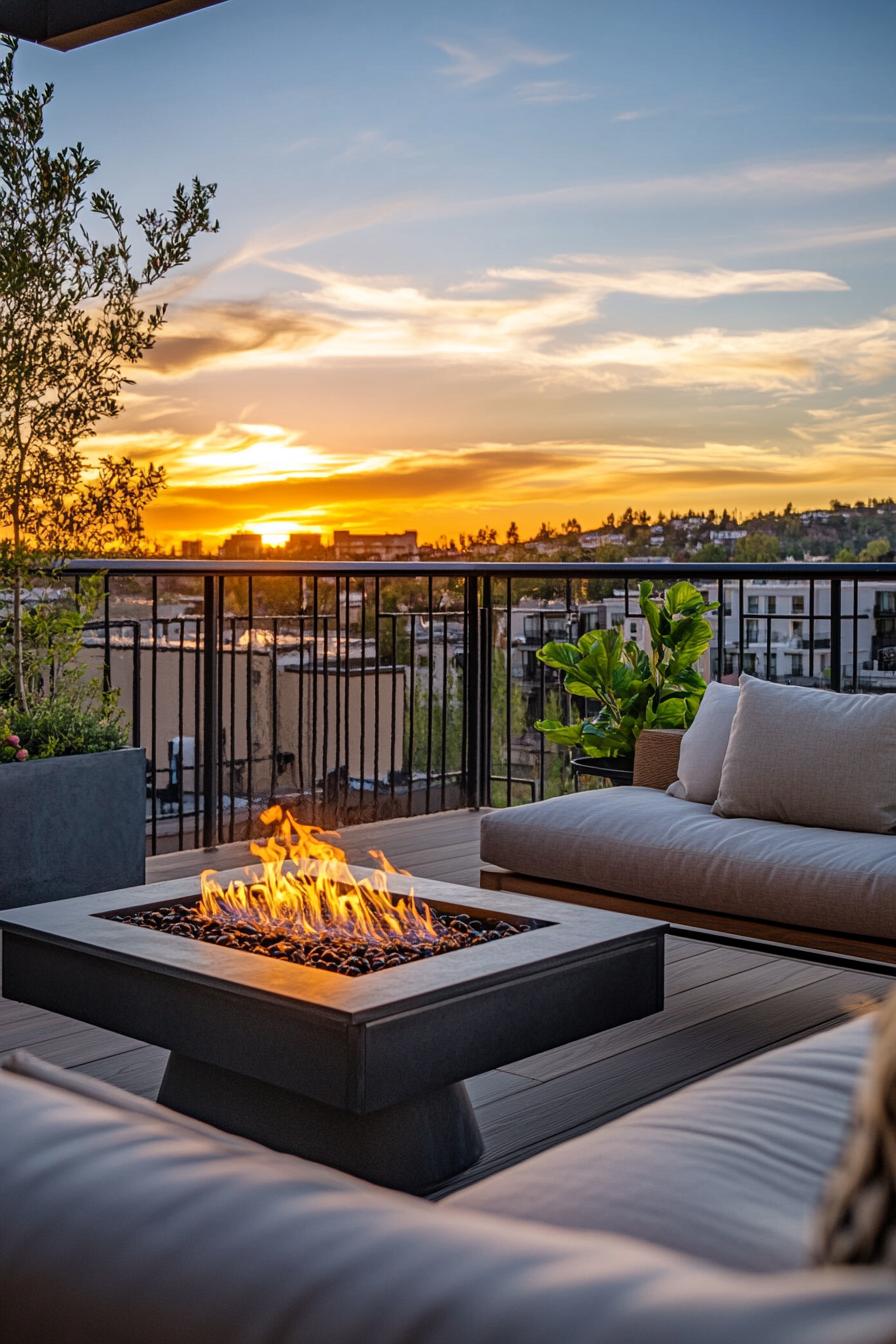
(64, 24)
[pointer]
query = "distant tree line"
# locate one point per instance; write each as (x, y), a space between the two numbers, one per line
(864, 530)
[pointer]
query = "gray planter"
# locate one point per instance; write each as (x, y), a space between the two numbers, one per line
(72, 825)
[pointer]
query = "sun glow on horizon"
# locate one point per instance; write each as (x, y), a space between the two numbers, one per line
(274, 537)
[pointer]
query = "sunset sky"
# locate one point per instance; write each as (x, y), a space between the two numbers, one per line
(493, 261)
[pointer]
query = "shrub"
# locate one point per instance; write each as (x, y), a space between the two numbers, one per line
(62, 727)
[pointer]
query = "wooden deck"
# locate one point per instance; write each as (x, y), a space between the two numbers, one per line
(723, 1004)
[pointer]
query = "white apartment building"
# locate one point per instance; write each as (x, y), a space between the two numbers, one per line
(785, 630)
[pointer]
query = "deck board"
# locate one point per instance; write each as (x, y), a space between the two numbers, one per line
(723, 1004)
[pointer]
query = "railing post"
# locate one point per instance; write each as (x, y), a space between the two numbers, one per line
(136, 684)
(836, 636)
(485, 693)
(210, 741)
(472, 673)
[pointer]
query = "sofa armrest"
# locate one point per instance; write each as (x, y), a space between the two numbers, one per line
(656, 757)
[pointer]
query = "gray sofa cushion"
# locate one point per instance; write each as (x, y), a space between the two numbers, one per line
(641, 842)
(120, 1228)
(811, 758)
(731, 1169)
(26, 1065)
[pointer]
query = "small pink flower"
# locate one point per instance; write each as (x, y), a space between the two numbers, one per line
(21, 754)
(13, 740)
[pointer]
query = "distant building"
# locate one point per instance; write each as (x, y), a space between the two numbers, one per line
(375, 546)
(728, 534)
(242, 546)
(191, 550)
(303, 545)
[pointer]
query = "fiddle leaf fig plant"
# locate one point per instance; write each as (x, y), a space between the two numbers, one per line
(634, 688)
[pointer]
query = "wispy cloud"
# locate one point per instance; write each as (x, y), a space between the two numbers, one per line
(546, 332)
(786, 179)
(548, 92)
(812, 239)
(375, 144)
(237, 454)
(637, 114)
(762, 361)
(858, 426)
(266, 246)
(707, 283)
(472, 63)
(816, 177)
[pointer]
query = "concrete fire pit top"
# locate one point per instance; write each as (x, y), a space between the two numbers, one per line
(565, 934)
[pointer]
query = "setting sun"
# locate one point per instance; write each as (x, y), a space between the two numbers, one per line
(274, 534)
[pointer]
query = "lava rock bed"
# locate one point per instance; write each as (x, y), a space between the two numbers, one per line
(329, 950)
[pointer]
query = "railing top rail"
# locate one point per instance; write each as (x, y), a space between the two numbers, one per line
(589, 569)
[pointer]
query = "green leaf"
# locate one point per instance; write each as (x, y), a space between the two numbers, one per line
(650, 611)
(690, 678)
(589, 638)
(606, 739)
(671, 713)
(563, 734)
(683, 597)
(695, 639)
(575, 686)
(599, 663)
(559, 654)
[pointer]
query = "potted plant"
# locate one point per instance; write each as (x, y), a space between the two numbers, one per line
(72, 792)
(72, 796)
(634, 688)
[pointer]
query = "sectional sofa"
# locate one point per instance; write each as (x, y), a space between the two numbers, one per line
(687, 1222)
(778, 823)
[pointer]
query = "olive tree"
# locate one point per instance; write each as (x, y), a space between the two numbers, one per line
(72, 324)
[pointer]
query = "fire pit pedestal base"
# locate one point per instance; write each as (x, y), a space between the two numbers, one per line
(411, 1146)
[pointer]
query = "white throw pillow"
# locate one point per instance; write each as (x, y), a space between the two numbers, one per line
(704, 745)
(811, 758)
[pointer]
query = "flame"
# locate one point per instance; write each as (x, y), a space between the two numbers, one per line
(324, 897)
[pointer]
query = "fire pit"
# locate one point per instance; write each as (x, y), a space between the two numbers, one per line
(320, 913)
(337, 1029)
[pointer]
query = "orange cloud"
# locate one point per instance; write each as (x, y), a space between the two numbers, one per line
(242, 475)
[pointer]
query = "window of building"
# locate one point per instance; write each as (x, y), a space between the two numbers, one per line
(771, 605)
(798, 604)
(752, 632)
(752, 603)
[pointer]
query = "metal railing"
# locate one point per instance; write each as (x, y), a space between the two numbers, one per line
(356, 691)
